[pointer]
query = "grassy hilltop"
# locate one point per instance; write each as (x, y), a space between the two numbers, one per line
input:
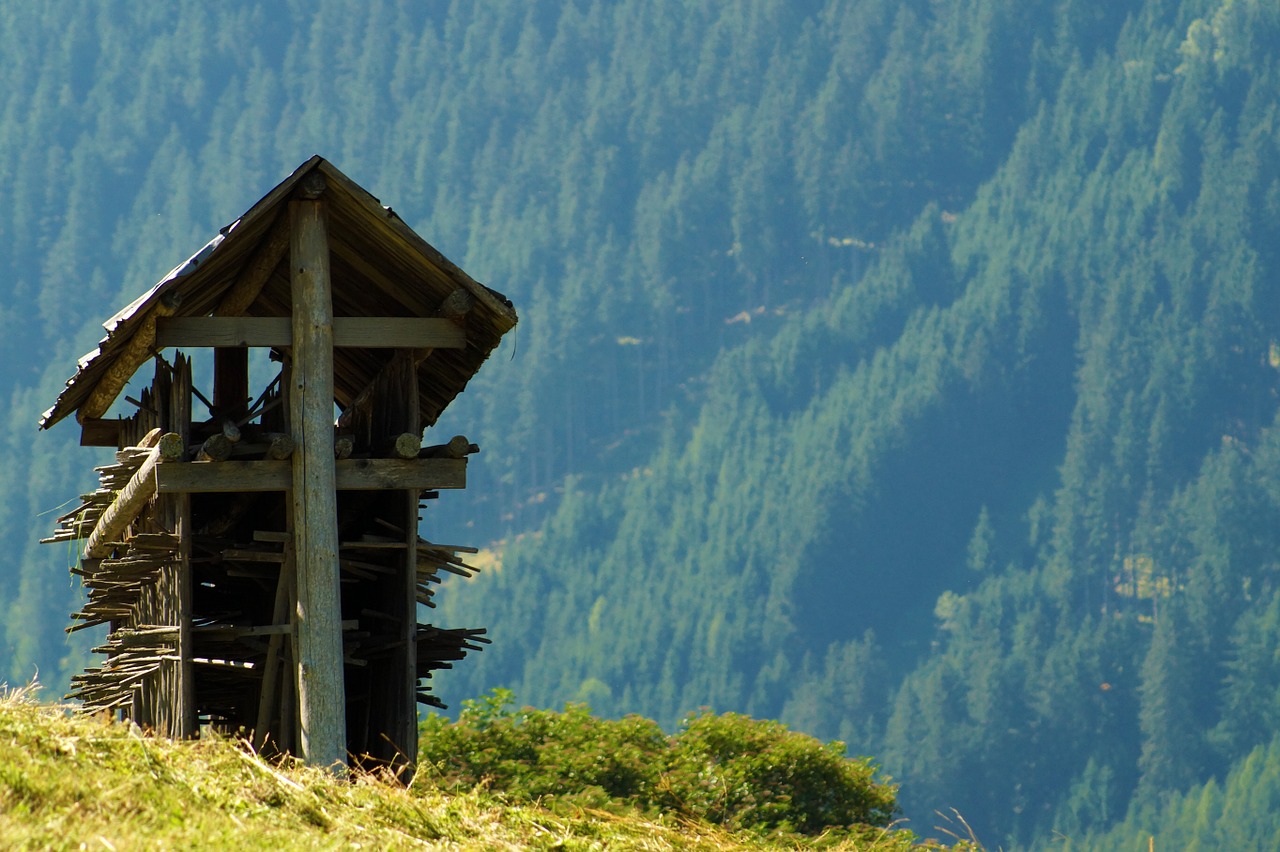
(74, 782)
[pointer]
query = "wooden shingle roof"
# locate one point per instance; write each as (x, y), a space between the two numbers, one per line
(378, 267)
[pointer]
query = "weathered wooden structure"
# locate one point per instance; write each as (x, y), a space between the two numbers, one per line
(257, 556)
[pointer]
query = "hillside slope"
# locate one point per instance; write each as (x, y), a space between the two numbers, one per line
(1002, 510)
(71, 782)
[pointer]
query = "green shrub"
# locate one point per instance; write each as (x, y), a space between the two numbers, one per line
(536, 753)
(729, 770)
(744, 773)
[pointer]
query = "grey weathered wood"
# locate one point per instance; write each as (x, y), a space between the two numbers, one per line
(215, 448)
(458, 447)
(457, 304)
(100, 433)
(349, 332)
(270, 677)
(407, 735)
(350, 475)
(405, 445)
(131, 499)
(321, 690)
(398, 333)
(280, 446)
(179, 508)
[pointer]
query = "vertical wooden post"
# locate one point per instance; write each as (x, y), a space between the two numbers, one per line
(268, 697)
(407, 712)
(321, 691)
(179, 507)
(231, 382)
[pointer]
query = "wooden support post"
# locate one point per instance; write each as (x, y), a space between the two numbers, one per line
(268, 696)
(231, 382)
(321, 690)
(178, 507)
(407, 735)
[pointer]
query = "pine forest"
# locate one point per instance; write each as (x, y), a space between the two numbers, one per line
(905, 371)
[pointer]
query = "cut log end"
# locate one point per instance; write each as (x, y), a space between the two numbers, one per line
(404, 446)
(458, 447)
(281, 447)
(216, 447)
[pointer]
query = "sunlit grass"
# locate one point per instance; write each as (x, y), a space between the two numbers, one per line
(73, 782)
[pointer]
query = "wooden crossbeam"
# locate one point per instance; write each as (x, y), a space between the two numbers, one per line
(349, 332)
(351, 475)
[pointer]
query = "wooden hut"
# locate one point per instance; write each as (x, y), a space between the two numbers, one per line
(255, 552)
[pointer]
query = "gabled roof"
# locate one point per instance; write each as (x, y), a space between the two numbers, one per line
(378, 268)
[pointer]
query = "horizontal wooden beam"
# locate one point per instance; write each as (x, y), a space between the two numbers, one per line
(349, 332)
(100, 433)
(352, 475)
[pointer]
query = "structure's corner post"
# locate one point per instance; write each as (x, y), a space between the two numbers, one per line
(179, 509)
(408, 733)
(321, 692)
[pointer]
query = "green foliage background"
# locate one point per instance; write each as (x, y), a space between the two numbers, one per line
(903, 370)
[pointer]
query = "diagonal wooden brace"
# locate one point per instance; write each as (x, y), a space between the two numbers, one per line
(132, 498)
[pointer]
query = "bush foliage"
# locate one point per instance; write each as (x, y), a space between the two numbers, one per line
(727, 769)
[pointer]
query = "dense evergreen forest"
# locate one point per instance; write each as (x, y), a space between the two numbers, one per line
(904, 370)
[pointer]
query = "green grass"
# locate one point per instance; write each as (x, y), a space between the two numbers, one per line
(74, 782)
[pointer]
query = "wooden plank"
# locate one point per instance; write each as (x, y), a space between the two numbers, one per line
(224, 331)
(401, 474)
(320, 676)
(132, 498)
(270, 678)
(350, 475)
(398, 333)
(406, 738)
(95, 432)
(224, 477)
(349, 332)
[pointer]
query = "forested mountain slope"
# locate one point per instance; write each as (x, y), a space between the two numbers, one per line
(905, 370)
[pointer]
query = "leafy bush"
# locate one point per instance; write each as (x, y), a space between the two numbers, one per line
(536, 753)
(728, 769)
(744, 773)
